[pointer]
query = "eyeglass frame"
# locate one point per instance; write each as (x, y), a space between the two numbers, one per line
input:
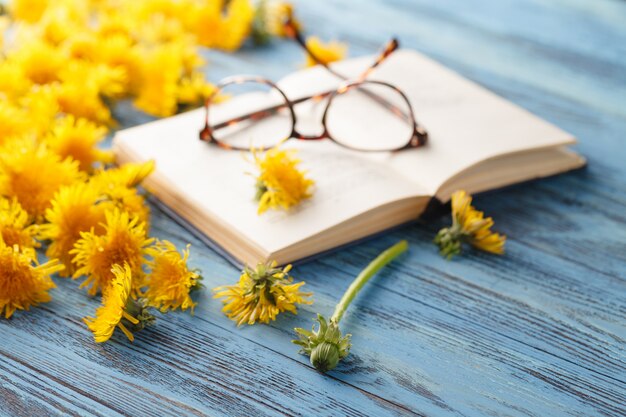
(419, 136)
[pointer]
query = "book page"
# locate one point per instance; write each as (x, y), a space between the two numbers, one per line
(467, 124)
(221, 182)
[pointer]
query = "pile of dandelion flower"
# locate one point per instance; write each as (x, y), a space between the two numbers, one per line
(64, 67)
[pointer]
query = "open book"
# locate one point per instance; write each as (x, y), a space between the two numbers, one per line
(478, 141)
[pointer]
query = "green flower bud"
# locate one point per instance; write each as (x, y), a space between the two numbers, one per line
(325, 347)
(325, 356)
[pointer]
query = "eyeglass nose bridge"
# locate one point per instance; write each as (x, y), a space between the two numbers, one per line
(297, 135)
(420, 136)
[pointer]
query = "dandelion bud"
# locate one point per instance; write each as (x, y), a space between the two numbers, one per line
(325, 347)
(325, 356)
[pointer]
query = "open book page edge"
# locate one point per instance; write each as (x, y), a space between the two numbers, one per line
(561, 159)
(360, 227)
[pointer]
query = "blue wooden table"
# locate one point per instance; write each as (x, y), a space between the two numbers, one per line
(540, 331)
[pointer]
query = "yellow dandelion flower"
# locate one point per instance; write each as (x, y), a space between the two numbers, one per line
(40, 62)
(237, 24)
(105, 80)
(324, 52)
(261, 294)
(74, 210)
(280, 184)
(118, 51)
(78, 139)
(127, 175)
(23, 283)
(170, 282)
(145, 9)
(28, 10)
(33, 174)
(161, 29)
(83, 45)
(118, 188)
(118, 309)
(42, 108)
(189, 56)
(14, 122)
(164, 71)
(124, 240)
(194, 89)
(127, 199)
(210, 13)
(158, 88)
(15, 226)
(227, 30)
(60, 22)
(13, 81)
(116, 21)
(279, 13)
(468, 225)
(83, 101)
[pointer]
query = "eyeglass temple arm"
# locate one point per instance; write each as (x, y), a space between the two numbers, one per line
(292, 31)
(269, 111)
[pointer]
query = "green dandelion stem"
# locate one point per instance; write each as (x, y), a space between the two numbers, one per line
(365, 275)
(326, 346)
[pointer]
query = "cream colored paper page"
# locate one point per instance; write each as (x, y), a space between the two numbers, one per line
(467, 123)
(219, 181)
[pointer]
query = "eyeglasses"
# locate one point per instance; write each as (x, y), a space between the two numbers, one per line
(363, 115)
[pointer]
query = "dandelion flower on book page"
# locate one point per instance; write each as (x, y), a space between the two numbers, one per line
(280, 184)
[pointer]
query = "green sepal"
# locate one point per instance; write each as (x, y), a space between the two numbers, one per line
(449, 240)
(325, 346)
(198, 286)
(139, 310)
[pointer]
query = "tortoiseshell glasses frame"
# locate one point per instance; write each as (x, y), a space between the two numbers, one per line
(418, 137)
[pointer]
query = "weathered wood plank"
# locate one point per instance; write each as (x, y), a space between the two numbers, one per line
(540, 331)
(183, 354)
(191, 365)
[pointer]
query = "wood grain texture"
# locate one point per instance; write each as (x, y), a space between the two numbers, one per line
(538, 332)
